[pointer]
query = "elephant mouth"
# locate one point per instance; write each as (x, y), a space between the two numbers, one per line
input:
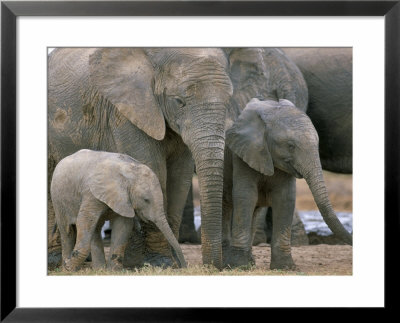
(294, 172)
(140, 215)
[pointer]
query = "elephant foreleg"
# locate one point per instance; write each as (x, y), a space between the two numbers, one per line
(245, 197)
(226, 231)
(134, 251)
(121, 229)
(227, 207)
(283, 204)
(179, 180)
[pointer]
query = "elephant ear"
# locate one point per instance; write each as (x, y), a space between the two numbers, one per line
(286, 103)
(110, 185)
(124, 77)
(246, 138)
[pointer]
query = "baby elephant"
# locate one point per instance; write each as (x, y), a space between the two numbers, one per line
(89, 187)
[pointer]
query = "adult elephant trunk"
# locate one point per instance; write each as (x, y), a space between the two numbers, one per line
(314, 178)
(207, 146)
(164, 227)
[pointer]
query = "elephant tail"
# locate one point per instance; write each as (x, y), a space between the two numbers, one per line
(55, 227)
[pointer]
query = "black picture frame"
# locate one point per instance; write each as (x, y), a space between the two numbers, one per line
(10, 10)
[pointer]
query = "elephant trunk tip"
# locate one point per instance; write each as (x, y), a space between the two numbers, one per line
(183, 264)
(349, 239)
(316, 183)
(164, 227)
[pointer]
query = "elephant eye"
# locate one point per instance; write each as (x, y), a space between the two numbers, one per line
(179, 101)
(291, 146)
(146, 200)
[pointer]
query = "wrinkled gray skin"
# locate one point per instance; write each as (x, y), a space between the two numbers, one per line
(256, 72)
(268, 72)
(89, 187)
(160, 106)
(328, 73)
(264, 73)
(273, 143)
(187, 230)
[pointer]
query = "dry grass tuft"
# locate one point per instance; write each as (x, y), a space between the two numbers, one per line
(192, 270)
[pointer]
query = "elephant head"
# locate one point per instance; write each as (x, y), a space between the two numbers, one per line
(265, 72)
(269, 135)
(131, 189)
(187, 90)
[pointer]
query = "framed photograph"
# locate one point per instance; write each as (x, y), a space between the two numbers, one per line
(369, 30)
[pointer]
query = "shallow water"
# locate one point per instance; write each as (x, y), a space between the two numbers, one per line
(312, 221)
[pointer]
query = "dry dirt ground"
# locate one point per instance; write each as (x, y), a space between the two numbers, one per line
(321, 259)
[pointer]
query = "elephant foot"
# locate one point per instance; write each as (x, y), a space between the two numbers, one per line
(113, 266)
(259, 238)
(282, 262)
(54, 259)
(239, 257)
(158, 260)
(70, 265)
(76, 260)
(98, 266)
(225, 254)
(115, 263)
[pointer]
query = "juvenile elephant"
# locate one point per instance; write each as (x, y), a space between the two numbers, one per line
(329, 77)
(162, 106)
(273, 143)
(89, 187)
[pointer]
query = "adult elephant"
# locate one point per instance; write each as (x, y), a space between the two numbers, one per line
(162, 107)
(328, 73)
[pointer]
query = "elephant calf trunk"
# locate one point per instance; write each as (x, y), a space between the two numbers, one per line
(166, 230)
(320, 194)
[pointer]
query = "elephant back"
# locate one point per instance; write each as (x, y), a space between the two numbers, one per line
(68, 75)
(325, 69)
(286, 80)
(328, 73)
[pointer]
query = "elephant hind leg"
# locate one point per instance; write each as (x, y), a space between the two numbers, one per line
(88, 217)
(68, 239)
(259, 226)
